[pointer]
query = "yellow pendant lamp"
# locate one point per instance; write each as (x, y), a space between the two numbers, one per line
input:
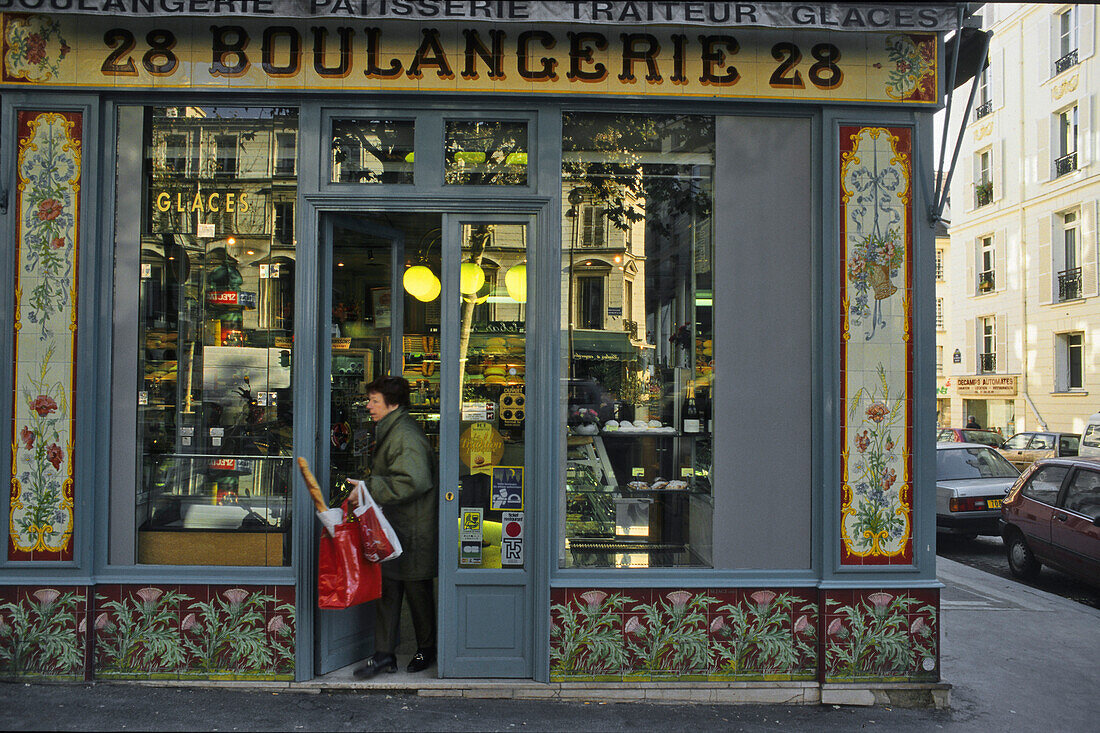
(420, 282)
(515, 280)
(471, 278)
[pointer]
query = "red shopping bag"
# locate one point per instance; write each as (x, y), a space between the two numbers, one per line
(377, 537)
(345, 577)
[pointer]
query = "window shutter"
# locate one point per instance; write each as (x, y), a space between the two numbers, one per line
(1086, 15)
(1084, 132)
(1001, 336)
(1089, 217)
(1044, 156)
(1048, 46)
(972, 357)
(971, 277)
(1000, 260)
(999, 175)
(997, 78)
(1046, 294)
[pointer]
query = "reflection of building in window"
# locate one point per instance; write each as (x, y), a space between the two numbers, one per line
(225, 147)
(176, 149)
(286, 153)
(284, 221)
(593, 226)
(590, 300)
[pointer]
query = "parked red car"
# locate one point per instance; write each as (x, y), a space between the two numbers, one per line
(1051, 516)
(970, 435)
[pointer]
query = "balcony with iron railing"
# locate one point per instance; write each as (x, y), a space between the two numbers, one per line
(983, 193)
(983, 109)
(987, 363)
(1069, 284)
(1066, 62)
(631, 328)
(986, 281)
(1066, 164)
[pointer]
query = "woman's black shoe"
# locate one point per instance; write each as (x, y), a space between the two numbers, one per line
(374, 665)
(423, 659)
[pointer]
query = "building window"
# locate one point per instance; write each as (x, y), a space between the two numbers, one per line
(1066, 162)
(225, 147)
(939, 314)
(284, 221)
(939, 360)
(983, 189)
(1069, 361)
(593, 226)
(985, 98)
(1069, 277)
(1067, 40)
(939, 265)
(987, 270)
(987, 355)
(176, 154)
(286, 153)
(590, 302)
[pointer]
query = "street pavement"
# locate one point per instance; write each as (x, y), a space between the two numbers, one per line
(1020, 659)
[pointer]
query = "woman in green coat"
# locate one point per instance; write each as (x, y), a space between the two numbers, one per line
(403, 482)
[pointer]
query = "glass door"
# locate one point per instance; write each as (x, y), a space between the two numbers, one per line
(485, 596)
(383, 299)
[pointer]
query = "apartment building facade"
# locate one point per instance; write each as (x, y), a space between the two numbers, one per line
(1020, 275)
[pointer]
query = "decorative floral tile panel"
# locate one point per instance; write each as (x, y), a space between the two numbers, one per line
(685, 634)
(913, 77)
(882, 635)
(40, 521)
(876, 347)
(43, 631)
(194, 632)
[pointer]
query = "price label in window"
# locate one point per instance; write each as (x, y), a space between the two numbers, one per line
(686, 472)
(207, 230)
(143, 398)
(146, 270)
(637, 471)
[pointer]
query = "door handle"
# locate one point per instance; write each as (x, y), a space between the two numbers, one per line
(1061, 517)
(449, 496)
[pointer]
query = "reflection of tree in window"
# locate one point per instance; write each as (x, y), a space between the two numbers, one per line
(372, 151)
(485, 153)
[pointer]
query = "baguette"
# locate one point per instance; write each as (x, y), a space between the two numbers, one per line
(312, 485)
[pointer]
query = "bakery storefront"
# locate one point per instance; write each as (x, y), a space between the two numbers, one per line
(651, 269)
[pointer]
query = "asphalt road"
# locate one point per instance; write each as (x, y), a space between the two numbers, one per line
(988, 554)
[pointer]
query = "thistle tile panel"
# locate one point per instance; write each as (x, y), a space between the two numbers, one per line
(43, 631)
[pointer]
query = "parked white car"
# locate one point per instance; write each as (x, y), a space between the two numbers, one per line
(971, 481)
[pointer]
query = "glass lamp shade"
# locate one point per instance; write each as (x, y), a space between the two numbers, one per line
(515, 280)
(432, 293)
(471, 278)
(419, 281)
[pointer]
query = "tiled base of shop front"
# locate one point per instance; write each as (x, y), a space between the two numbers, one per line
(165, 632)
(744, 634)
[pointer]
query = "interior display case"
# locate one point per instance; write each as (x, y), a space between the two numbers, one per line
(216, 315)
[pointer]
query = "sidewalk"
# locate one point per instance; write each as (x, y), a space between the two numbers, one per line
(1018, 659)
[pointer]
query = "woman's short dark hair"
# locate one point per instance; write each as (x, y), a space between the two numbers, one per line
(394, 390)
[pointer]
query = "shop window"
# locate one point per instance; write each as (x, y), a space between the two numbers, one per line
(638, 341)
(372, 151)
(1069, 268)
(214, 345)
(1069, 361)
(1066, 162)
(485, 153)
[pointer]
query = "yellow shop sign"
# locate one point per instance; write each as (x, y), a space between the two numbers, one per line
(201, 201)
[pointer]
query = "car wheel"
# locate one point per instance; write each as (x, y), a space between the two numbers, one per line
(1021, 560)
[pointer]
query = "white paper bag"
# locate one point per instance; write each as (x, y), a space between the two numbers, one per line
(366, 504)
(330, 518)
